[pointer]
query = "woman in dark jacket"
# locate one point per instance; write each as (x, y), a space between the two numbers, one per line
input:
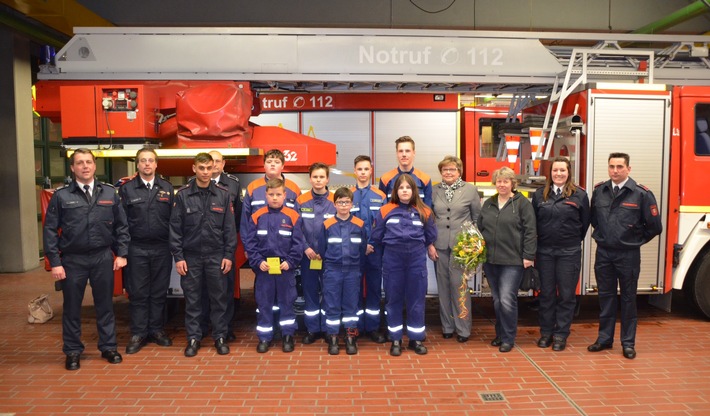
(562, 212)
(507, 222)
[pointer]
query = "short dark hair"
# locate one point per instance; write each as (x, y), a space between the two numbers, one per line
(275, 183)
(319, 165)
(146, 149)
(343, 192)
(275, 153)
(618, 155)
(404, 139)
(83, 151)
(362, 158)
(202, 157)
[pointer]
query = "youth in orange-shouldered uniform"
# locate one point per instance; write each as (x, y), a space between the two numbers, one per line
(406, 229)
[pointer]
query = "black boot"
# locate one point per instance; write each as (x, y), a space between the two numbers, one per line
(333, 345)
(351, 341)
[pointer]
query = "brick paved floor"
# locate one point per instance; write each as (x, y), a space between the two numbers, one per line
(670, 376)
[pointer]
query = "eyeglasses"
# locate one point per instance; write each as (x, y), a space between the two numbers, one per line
(343, 203)
(449, 170)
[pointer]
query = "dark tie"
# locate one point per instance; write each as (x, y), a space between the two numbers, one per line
(147, 185)
(87, 192)
(616, 190)
(559, 192)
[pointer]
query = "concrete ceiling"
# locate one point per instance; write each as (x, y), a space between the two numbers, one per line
(605, 16)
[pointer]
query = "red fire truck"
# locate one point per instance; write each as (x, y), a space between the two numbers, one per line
(664, 127)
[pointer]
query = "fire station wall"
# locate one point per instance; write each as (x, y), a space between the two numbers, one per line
(18, 218)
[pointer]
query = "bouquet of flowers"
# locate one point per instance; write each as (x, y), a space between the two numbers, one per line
(469, 253)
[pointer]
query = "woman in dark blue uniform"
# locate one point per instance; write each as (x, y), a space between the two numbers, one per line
(562, 213)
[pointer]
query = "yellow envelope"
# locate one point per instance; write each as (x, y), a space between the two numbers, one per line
(316, 264)
(274, 265)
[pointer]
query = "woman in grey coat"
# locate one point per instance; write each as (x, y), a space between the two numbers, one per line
(454, 201)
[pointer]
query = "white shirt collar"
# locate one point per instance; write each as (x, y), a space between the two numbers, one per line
(620, 185)
(91, 186)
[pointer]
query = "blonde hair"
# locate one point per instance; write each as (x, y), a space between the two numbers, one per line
(448, 160)
(505, 173)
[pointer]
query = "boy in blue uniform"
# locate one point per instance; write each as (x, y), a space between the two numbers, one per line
(315, 207)
(342, 243)
(255, 198)
(274, 242)
(367, 201)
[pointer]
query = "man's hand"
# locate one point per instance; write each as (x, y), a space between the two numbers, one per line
(119, 263)
(181, 267)
(58, 273)
(527, 263)
(284, 265)
(370, 249)
(226, 266)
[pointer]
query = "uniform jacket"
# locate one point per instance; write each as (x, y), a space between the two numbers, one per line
(422, 180)
(314, 209)
(232, 184)
(342, 243)
(202, 225)
(367, 202)
(510, 233)
(255, 197)
(562, 222)
(627, 221)
(148, 212)
(399, 227)
(464, 206)
(85, 226)
(273, 232)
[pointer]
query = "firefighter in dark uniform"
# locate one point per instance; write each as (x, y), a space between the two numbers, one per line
(93, 228)
(625, 216)
(231, 183)
(147, 199)
(202, 241)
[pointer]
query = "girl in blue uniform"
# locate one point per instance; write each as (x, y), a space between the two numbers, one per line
(405, 228)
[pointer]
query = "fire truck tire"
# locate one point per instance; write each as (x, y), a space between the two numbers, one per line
(697, 290)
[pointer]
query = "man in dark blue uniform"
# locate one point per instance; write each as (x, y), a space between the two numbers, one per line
(202, 241)
(231, 183)
(147, 200)
(625, 216)
(93, 228)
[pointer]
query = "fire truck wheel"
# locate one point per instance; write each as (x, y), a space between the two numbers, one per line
(698, 288)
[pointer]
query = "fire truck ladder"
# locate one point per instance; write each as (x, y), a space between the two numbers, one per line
(607, 60)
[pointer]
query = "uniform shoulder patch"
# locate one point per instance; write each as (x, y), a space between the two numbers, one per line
(329, 222)
(644, 187)
(599, 184)
(182, 188)
(423, 176)
(378, 192)
(357, 221)
(388, 176)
